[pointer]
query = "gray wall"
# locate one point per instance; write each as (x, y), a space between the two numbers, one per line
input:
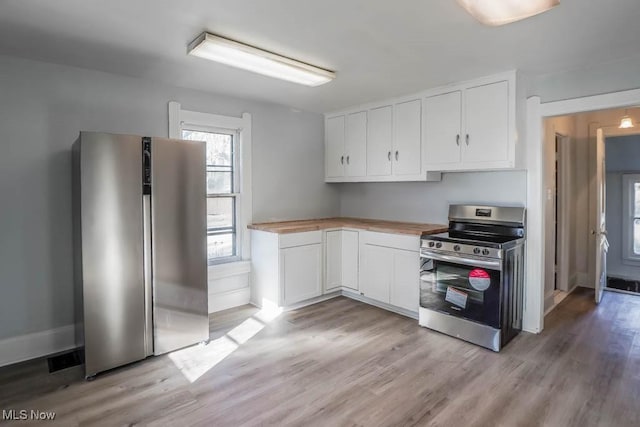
(621, 154)
(44, 107)
(429, 201)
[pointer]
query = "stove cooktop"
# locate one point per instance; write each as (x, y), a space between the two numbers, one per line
(496, 242)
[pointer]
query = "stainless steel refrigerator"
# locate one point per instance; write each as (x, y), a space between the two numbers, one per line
(140, 247)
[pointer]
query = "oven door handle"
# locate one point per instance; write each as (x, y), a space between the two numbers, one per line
(472, 262)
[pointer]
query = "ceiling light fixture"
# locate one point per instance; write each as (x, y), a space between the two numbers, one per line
(500, 12)
(626, 122)
(240, 55)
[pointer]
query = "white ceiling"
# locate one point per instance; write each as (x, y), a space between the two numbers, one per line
(379, 48)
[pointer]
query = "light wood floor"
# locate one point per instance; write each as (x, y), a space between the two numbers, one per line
(342, 362)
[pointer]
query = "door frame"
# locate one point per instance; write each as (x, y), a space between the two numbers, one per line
(536, 112)
(563, 236)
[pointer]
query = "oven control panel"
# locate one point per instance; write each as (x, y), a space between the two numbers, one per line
(462, 249)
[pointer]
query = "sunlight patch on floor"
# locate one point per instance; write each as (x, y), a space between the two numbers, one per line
(193, 362)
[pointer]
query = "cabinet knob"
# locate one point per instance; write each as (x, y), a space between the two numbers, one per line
(347, 159)
(342, 160)
(458, 139)
(389, 155)
(467, 139)
(396, 156)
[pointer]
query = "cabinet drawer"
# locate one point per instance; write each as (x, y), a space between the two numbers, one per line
(397, 241)
(300, 239)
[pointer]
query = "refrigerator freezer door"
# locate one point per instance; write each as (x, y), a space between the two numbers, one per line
(179, 239)
(112, 250)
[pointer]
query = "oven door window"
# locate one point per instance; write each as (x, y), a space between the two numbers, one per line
(463, 291)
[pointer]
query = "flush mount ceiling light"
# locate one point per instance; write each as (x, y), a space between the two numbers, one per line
(500, 12)
(626, 122)
(240, 55)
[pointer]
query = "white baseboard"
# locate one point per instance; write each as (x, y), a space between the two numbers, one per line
(38, 344)
(228, 299)
(583, 280)
(355, 295)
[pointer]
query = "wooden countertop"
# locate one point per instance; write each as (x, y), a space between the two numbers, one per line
(381, 226)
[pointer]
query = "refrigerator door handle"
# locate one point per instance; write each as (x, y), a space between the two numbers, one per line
(148, 276)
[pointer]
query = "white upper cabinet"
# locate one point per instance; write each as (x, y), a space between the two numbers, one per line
(443, 127)
(487, 119)
(355, 160)
(407, 138)
(334, 154)
(380, 141)
(473, 127)
(466, 126)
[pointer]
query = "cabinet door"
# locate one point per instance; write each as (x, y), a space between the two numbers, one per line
(350, 259)
(405, 286)
(407, 132)
(377, 271)
(379, 141)
(442, 134)
(487, 123)
(334, 154)
(356, 144)
(301, 272)
(333, 256)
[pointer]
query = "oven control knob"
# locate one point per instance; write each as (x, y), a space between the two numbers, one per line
(431, 244)
(456, 248)
(438, 245)
(485, 252)
(476, 251)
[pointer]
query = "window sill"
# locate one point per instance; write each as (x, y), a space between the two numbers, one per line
(235, 268)
(634, 262)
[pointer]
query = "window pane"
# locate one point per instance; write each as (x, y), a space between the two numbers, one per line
(636, 189)
(219, 182)
(220, 214)
(219, 146)
(636, 236)
(221, 245)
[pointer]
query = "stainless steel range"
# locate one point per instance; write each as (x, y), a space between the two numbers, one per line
(471, 278)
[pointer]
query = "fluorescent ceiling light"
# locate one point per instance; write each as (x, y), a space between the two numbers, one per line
(240, 55)
(500, 12)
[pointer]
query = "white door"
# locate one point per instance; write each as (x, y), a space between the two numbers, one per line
(442, 128)
(379, 141)
(602, 245)
(486, 137)
(333, 257)
(356, 144)
(334, 155)
(407, 133)
(301, 270)
(350, 259)
(405, 287)
(377, 271)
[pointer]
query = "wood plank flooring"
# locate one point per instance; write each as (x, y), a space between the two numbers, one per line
(341, 362)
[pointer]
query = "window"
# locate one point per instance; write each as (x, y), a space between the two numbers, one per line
(631, 220)
(228, 157)
(221, 192)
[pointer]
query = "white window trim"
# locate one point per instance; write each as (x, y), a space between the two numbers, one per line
(628, 256)
(179, 118)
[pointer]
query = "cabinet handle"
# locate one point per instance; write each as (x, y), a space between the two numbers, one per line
(458, 139)
(347, 159)
(396, 156)
(467, 139)
(389, 155)
(342, 160)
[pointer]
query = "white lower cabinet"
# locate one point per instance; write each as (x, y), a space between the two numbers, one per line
(405, 284)
(377, 272)
(390, 274)
(301, 269)
(287, 269)
(291, 269)
(341, 256)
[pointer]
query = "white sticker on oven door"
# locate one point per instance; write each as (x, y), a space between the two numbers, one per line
(456, 297)
(479, 279)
